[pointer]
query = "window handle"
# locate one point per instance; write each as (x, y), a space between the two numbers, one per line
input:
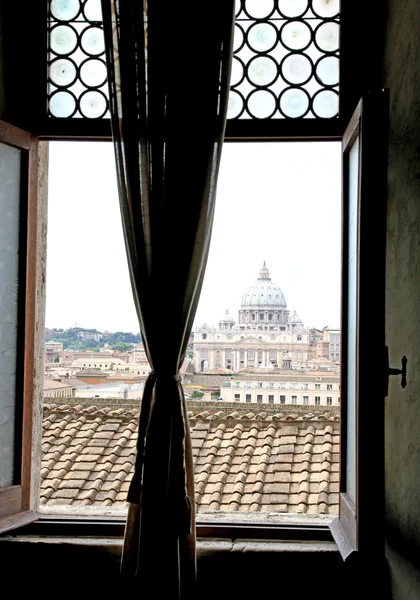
(389, 371)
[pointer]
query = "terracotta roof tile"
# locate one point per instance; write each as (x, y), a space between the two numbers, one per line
(245, 459)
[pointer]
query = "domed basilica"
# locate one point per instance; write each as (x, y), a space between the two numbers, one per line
(265, 336)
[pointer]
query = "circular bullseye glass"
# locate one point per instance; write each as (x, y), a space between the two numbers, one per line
(65, 10)
(237, 72)
(325, 104)
(294, 103)
(93, 10)
(327, 37)
(262, 71)
(262, 37)
(238, 38)
(93, 105)
(296, 69)
(62, 72)
(327, 70)
(293, 8)
(296, 35)
(63, 39)
(93, 41)
(235, 105)
(93, 72)
(326, 9)
(62, 104)
(259, 9)
(262, 104)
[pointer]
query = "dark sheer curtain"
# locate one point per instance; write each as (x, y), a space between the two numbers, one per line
(169, 68)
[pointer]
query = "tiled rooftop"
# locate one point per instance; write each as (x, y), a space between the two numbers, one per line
(246, 459)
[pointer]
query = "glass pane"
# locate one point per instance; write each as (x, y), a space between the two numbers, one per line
(9, 246)
(352, 321)
(77, 80)
(293, 53)
(276, 45)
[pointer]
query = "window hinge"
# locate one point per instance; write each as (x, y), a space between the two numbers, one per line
(389, 371)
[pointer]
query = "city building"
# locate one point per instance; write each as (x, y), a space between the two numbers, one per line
(56, 389)
(266, 335)
(316, 388)
(53, 351)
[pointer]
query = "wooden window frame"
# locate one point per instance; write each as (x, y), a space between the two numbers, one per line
(15, 501)
(357, 74)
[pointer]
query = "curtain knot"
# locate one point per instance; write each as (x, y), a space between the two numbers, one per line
(165, 377)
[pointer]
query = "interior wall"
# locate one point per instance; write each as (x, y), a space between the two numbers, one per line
(402, 407)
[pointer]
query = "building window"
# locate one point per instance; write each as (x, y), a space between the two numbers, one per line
(329, 401)
(259, 385)
(299, 338)
(204, 336)
(259, 398)
(271, 385)
(282, 399)
(237, 383)
(282, 386)
(317, 386)
(294, 399)
(338, 400)
(237, 396)
(305, 399)
(329, 386)
(261, 316)
(248, 384)
(305, 386)
(317, 400)
(270, 399)
(293, 386)
(248, 397)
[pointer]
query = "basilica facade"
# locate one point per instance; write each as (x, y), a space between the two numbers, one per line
(266, 335)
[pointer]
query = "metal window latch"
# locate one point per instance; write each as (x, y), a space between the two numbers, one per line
(389, 371)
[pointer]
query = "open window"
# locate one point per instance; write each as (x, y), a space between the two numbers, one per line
(363, 142)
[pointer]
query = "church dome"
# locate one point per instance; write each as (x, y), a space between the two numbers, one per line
(227, 318)
(264, 293)
(294, 318)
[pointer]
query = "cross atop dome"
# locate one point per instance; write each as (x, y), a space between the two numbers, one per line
(264, 273)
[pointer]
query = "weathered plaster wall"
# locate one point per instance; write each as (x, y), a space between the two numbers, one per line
(402, 429)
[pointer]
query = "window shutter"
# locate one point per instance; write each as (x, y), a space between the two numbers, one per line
(360, 523)
(18, 212)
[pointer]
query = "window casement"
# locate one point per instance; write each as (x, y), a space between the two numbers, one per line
(362, 416)
(18, 235)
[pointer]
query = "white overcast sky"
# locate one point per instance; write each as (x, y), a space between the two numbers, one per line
(278, 202)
